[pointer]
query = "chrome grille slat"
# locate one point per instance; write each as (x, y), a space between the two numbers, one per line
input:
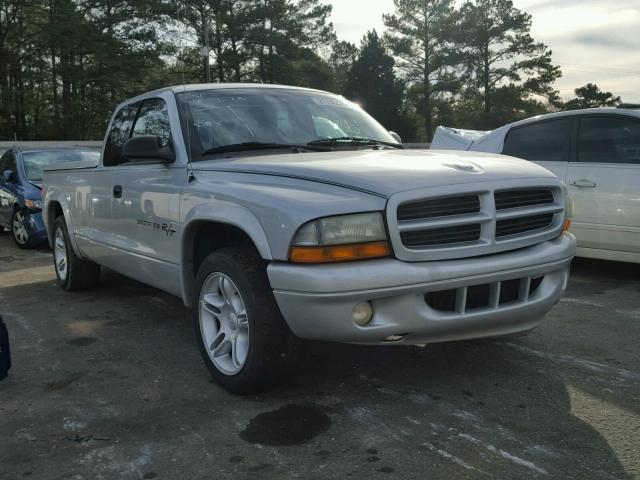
(466, 219)
(528, 211)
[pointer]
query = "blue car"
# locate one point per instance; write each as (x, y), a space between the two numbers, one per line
(20, 189)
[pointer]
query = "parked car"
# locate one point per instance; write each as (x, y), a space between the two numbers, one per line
(596, 152)
(233, 198)
(20, 189)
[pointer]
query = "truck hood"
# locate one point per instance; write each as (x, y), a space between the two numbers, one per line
(383, 172)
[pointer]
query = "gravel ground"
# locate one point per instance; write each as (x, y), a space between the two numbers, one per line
(108, 383)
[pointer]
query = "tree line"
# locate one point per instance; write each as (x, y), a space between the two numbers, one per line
(65, 64)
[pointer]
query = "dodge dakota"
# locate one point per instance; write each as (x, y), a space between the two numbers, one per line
(281, 214)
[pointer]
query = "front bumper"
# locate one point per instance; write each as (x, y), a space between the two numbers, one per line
(317, 301)
(35, 227)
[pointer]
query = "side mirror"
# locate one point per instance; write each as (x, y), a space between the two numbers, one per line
(8, 176)
(147, 148)
(396, 137)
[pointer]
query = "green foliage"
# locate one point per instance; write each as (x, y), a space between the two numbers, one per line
(420, 34)
(371, 81)
(66, 64)
(499, 53)
(590, 96)
(343, 56)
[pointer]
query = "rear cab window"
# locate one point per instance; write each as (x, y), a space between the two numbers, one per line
(546, 141)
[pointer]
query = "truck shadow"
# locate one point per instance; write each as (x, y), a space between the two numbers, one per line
(478, 401)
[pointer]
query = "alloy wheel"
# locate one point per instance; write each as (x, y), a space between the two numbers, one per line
(224, 325)
(60, 255)
(19, 230)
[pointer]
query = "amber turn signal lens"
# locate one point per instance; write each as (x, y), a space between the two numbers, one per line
(340, 253)
(567, 225)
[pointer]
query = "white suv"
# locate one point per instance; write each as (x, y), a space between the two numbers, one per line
(596, 152)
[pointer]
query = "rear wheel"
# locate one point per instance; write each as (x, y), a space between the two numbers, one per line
(72, 272)
(19, 229)
(244, 341)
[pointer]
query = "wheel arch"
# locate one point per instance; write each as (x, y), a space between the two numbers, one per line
(203, 236)
(54, 208)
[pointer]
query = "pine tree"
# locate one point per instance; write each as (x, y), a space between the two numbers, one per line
(590, 96)
(499, 52)
(372, 83)
(420, 36)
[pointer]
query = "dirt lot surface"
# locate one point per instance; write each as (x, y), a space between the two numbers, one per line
(108, 384)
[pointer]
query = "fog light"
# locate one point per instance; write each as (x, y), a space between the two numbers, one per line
(362, 314)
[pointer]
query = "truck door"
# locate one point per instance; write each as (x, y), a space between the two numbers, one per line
(101, 231)
(604, 182)
(146, 206)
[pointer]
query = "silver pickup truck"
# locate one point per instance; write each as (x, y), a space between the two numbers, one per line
(282, 214)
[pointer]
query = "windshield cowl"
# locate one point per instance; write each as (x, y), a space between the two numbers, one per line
(253, 146)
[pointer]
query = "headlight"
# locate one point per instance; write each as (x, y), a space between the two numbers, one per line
(341, 238)
(568, 212)
(33, 204)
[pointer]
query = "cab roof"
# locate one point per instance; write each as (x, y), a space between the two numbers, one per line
(219, 86)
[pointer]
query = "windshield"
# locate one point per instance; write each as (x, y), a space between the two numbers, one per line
(34, 161)
(225, 117)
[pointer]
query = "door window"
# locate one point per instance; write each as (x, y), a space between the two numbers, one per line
(153, 119)
(118, 134)
(609, 139)
(547, 141)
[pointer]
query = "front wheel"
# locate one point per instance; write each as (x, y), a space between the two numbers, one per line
(72, 272)
(244, 341)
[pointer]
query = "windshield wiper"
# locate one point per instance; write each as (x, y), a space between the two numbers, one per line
(352, 141)
(249, 146)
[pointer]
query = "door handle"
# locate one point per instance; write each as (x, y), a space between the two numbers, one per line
(117, 191)
(583, 183)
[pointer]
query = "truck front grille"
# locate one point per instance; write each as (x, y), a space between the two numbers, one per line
(523, 198)
(439, 207)
(441, 236)
(514, 226)
(490, 295)
(476, 221)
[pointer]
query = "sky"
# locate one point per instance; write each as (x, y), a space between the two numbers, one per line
(594, 41)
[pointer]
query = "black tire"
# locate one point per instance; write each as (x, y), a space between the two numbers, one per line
(80, 274)
(274, 352)
(26, 244)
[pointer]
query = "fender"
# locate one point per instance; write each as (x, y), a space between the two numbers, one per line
(53, 194)
(222, 212)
